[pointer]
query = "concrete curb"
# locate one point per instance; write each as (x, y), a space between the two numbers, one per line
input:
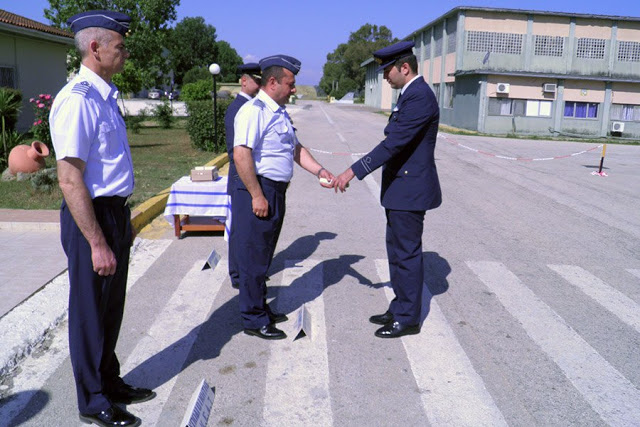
(26, 326)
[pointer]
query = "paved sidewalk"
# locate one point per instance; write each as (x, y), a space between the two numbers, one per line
(30, 254)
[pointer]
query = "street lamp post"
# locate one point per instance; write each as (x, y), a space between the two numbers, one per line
(214, 69)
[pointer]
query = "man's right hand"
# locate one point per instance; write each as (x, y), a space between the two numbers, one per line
(260, 206)
(104, 261)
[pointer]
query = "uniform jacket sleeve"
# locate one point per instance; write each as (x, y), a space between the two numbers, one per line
(406, 128)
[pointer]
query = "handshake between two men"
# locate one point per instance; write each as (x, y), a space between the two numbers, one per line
(341, 183)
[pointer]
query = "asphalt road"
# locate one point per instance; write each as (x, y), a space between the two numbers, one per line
(532, 314)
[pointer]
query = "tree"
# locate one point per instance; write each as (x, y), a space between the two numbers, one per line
(148, 32)
(228, 60)
(195, 74)
(192, 43)
(342, 72)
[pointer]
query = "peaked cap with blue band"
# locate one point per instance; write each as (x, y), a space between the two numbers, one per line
(288, 62)
(115, 21)
(251, 68)
(390, 54)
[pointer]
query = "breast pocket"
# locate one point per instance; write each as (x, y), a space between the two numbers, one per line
(108, 137)
(285, 134)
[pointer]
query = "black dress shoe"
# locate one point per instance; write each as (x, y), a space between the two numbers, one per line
(268, 332)
(381, 319)
(127, 394)
(235, 285)
(397, 329)
(278, 317)
(113, 416)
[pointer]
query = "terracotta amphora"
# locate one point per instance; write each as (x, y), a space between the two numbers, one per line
(28, 159)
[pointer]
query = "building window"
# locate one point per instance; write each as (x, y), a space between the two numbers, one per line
(451, 35)
(581, 110)
(426, 38)
(537, 108)
(484, 41)
(449, 94)
(629, 51)
(625, 112)
(519, 107)
(548, 46)
(500, 107)
(8, 77)
(590, 48)
(437, 38)
(436, 91)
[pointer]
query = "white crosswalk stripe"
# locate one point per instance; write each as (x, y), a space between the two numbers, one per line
(160, 355)
(35, 371)
(608, 392)
(297, 387)
(635, 272)
(436, 349)
(613, 300)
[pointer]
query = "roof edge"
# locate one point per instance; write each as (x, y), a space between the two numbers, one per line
(522, 11)
(35, 34)
(13, 21)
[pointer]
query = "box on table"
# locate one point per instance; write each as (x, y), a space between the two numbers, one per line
(204, 173)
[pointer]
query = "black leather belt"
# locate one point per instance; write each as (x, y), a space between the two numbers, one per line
(116, 201)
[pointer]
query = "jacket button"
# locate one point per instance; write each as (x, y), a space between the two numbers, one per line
(406, 172)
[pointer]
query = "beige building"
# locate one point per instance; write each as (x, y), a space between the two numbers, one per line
(528, 72)
(33, 59)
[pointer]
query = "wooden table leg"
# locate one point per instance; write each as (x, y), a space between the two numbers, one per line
(176, 225)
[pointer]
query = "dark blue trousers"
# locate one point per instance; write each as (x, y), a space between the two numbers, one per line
(96, 303)
(404, 250)
(255, 240)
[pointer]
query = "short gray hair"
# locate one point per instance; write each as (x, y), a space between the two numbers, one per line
(84, 37)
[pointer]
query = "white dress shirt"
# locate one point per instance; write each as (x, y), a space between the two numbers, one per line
(264, 126)
(86, 124)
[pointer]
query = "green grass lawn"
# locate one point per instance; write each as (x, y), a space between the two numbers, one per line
(160, 157)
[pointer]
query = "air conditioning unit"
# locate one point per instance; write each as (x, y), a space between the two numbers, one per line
(502, 88)
(617, 127)
(549, 87)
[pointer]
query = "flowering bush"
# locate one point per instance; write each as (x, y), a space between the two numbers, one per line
(42, 107)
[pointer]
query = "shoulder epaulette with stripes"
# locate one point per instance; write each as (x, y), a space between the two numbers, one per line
(81, 87)
(259, 103)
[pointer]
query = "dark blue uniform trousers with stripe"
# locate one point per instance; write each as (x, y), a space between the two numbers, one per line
(255, 240)
(96, 303)
(406, 269)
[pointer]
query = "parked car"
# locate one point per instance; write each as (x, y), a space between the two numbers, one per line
(154, 94)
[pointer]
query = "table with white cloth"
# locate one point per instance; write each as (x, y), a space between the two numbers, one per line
(204, 205)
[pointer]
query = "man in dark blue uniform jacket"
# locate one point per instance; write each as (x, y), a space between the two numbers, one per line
(249, 87)
(410, 184)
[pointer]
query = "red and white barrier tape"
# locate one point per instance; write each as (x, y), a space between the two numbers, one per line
(475, 150)
(335, 153)
(521, 159)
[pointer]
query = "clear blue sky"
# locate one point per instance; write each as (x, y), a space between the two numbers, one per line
(309, 30)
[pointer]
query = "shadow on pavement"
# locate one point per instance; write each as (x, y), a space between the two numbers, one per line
(37, 399)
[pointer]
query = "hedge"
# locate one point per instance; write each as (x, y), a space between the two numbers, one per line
(200, 124)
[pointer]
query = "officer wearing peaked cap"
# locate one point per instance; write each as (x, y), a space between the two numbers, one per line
(410, 184)
(95, 174)
(265, 147)
(249, 87)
